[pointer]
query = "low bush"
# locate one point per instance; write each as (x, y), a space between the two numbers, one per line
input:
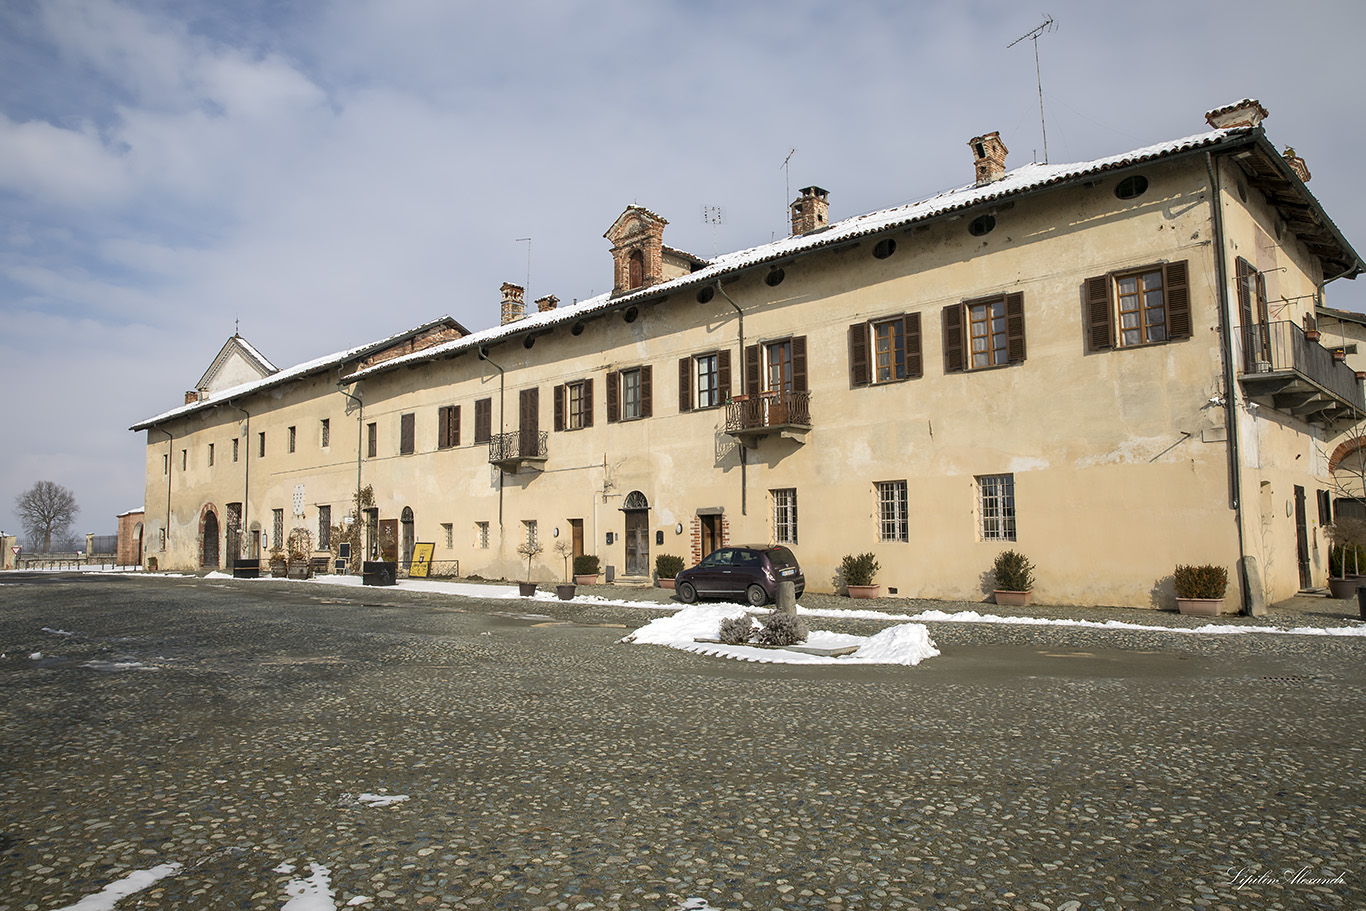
(667, 566)
(586, 565)
(860, 569)
(782, 629)
(736, 630)
(1013, 572)
(1206, 581)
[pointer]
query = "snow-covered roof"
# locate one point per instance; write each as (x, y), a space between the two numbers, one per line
(318, 365)
(1023, 180)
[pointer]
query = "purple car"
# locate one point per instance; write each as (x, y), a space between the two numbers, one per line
(750, 571)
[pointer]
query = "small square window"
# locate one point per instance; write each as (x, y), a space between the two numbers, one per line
(326, 432)
(481, 535)
(448, 529)
(529, 531)
(234, 449)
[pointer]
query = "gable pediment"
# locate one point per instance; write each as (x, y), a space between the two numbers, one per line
(634, 222)
(237, 362)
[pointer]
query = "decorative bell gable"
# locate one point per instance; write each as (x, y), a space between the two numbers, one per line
(637, 238)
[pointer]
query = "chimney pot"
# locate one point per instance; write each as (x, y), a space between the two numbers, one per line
(988, 157)
(549, 302)
(1246, 113)
(191, 395)
(811, 210)
(514, 307)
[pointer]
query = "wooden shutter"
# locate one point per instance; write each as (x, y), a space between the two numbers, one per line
(723, 375)
(455, 425)
(613, 391)
(483, 420)
(407, 433)
(1099, 336)
(858, 355)
(646, 391)
(753, 379)
(915, 364)
(559, 407)
(529, 424)
(443, 427)
(588, 403)
(1178, 301)
(1242, 283)
(1015, 328)
(799, 364)
(953, 338)
(684, 385)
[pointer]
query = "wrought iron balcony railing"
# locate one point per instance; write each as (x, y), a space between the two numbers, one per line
(756, 416)
(516, 450)
(1282, 368)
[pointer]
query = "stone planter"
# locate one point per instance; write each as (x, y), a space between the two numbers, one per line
(299, 569)
(279, 569)
(1013, 599)
(666, 583)
(1345, 587)
(565, 591)
(1200, 607)
(863, 591)
(586, 580)
(527, 589)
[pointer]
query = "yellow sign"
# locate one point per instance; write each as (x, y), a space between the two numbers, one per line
(422, 561)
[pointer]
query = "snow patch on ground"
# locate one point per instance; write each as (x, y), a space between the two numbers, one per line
(312, 894)
(380, 800)
(128, 665)
(134, 882)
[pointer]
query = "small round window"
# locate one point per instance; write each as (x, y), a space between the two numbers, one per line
(775, 277)
(884, 248)
(631, 314)
(706, 294)
(577, 328)
(982, 224)
(1132, 187)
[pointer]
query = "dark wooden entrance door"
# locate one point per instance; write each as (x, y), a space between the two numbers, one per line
(711, 533)
(234, 533)
(576, 535)
(208, 556)
(388, 540)
(1302, 538)
(638, 542)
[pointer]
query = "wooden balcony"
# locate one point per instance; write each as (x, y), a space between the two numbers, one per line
(1282, 369)
(750, 418)
(517, 452)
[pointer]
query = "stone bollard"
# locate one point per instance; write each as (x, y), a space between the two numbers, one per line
(786, 602)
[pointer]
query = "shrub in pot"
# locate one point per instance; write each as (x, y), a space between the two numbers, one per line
(530, 550)
(858, 572)
(1200, 589)
(586, 569)
(1014, 574)
(667, 566)
(565, 590)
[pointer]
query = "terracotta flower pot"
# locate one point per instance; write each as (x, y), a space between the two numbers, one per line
(1013, 599)
(666, 583)
(863, 591)
(1200, 607)
(586, 580)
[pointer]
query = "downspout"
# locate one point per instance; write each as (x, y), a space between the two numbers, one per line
(246, 483)
(502, 388)
(744, 487)
(170, 453)
(1226, 342)
(360, 447)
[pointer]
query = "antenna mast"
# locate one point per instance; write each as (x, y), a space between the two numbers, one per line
(787, 179)
(1048, 26)
(528, 264)
(713, 215)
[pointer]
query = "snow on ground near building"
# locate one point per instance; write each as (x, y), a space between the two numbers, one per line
(509, 591)
(106, 898)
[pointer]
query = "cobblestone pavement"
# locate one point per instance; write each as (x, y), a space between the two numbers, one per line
(233, 728)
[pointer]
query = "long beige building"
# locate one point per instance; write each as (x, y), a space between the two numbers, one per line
(1103, 365)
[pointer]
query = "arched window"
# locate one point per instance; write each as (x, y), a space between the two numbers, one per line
(636, 500)
(635, 266)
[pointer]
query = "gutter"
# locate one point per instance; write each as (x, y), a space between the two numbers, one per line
(170, 458)
(360, 444)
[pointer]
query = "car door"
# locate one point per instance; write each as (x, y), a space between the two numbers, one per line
(712, 576)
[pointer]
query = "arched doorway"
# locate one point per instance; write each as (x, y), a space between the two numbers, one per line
(637, 510)
(208, 537)
(406, 520)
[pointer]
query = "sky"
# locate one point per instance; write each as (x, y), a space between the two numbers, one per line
(324, 173)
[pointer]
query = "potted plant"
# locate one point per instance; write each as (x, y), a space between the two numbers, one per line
(858, 572)
(279, 567)
(565, 589)
(530, 550)
(1014, 575)
(1200, 590)
(586, 569)
(1346, 555)
(667, 567)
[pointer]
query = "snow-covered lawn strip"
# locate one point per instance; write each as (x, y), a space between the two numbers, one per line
(509, 591)
(106, 898)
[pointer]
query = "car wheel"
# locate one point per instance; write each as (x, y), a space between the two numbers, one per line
(686, 593)
(756, 596)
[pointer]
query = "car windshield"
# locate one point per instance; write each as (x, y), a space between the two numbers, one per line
(781, 558)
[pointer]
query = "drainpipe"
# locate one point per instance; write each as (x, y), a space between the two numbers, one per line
(502, 388)
(170, 453)
(1225, 340)
(360, 450)
(744, 487)
(246, 485)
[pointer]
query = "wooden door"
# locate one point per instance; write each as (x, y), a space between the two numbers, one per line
(638, 543)
(576, 536)
(711, 534)
(1302, 538)
(388, 540)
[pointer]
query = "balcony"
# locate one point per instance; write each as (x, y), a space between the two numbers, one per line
(750, 418)
(516, 452)
(1280, 368)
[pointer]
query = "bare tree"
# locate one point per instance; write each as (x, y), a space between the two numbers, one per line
(46, 511)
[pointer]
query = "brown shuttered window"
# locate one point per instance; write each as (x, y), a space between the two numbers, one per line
(799, 364)
(407, 433)
(858, 356)
(722, 377)
(529, 421)
(1149, 305)
(646, 391)
(483, 420)
(448, 427)
(587, 402)
(988, 332)
(574, 405)
(953, 338)
(1015, 328)
(559, 408)
(752, 375)
(613, 388)
(893, 355)
(684, 385)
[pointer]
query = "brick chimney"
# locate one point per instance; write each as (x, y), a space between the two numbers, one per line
(989, 157)
(514, 308)
(1246, 113)
(810, 211)
(191, 395)
(549, 302)
(1296, 164)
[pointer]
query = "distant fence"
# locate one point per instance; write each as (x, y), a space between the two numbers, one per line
(69, 561)
(102, 544)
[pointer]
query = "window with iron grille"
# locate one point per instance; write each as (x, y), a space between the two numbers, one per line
(481, 535)
(234, 450)
(278, 527)
(529, 530)
(293, 438)
(784, 515)
(326, 432)
(996, 506)
(372, 440)
(324, 527)
(407, 433)
(892, 511)
(184, 459)
(449, 529)
(210, 455)
(165, 463)
(448, 427)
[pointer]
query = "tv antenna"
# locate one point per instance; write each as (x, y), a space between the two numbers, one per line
(528, 262)
(713, 215)
(1048, 26)
(787, 178)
